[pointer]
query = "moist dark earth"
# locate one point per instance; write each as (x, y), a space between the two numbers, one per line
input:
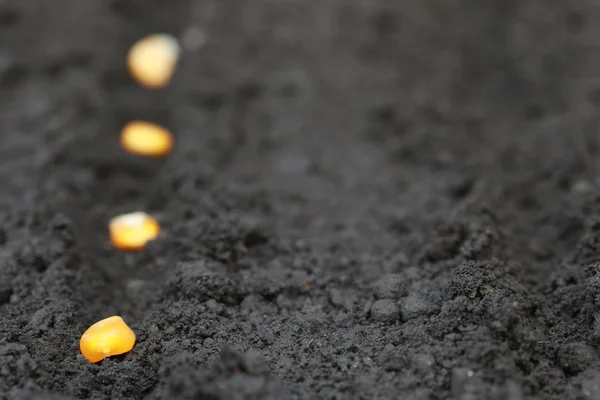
(367, 199)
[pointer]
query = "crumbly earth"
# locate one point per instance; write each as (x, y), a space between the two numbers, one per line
(368, 199)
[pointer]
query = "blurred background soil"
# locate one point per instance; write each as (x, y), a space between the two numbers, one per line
(367, 199)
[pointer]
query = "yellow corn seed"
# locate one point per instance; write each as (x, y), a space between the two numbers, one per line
(152, 60)
(106, 338)
(146, 139)
(131, 232)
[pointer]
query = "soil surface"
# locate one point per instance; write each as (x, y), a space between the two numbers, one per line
(367, 199)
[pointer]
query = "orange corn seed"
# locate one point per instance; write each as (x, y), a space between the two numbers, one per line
(146, 139)
(131, 232)
(152, 60)
(106, 338)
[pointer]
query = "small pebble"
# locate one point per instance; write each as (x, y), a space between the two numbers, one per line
(249, 304)
(389, 348)
(415, 305)
(5, 293)
(193, 38)
(384, 310)
(336, 298)
(255, 363)
(513, 391)
(390, 286)
(342, 319)
(595, 336)
(423, 360)
(461, 378)
(212, 306)
(136, 287)
(342, 299)
(590, 387)
(576, 357)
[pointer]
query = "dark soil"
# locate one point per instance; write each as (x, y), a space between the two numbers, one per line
(367, 199)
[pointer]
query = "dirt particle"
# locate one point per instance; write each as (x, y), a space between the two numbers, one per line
(576, 357)
(415, 305)
(384, 310)
(590, 387)
(390, 286)
(5, 293)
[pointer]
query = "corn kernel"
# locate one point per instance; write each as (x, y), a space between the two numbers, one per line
(146, 139)
(131, 232)
(106, 338)
(152, 60)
